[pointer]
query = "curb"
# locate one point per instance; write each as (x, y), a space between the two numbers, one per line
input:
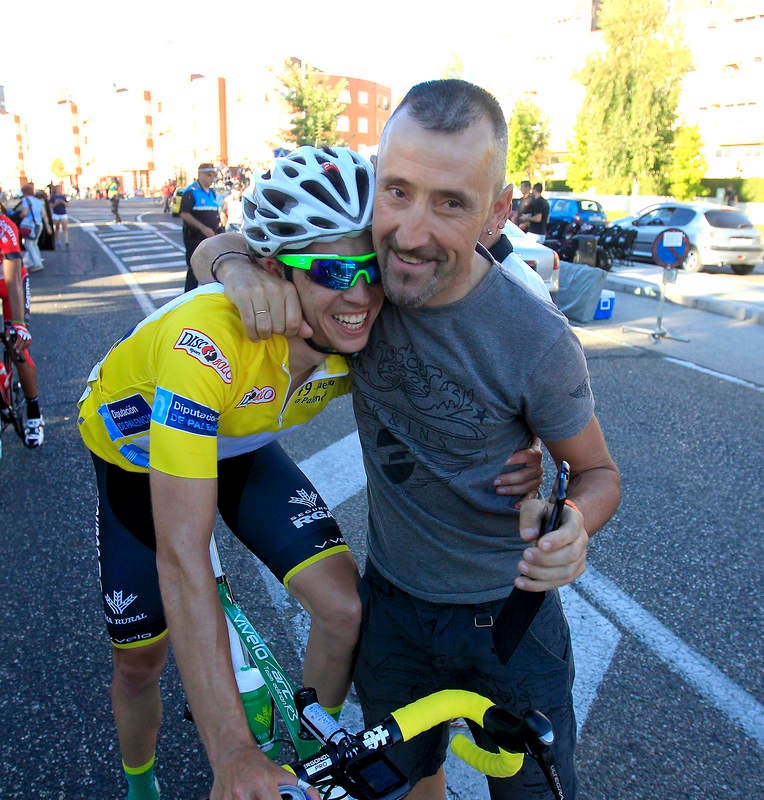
(741, 311)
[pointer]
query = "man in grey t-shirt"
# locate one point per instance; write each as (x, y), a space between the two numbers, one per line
(462, 365)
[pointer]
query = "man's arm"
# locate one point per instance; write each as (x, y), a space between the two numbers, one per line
(595, 489)
(250, 288)
(192, 222)
(184, 517)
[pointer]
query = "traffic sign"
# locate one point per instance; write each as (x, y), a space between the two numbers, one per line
(670, 247)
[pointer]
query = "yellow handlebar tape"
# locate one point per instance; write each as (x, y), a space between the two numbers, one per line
(423, 714)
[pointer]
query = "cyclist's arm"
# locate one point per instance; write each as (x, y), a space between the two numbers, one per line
(184, 517)
(250, 288)
(12, 266)
(595, 488)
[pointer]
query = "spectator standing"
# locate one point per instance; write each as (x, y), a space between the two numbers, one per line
(200, 215)
(35, 221)
(230, 210)
(536, 213)
(112, 192)
(521, 206)
(59, 214)
(730, 196)
(167, 192)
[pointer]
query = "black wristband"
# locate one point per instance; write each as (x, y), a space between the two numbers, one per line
(220, 255)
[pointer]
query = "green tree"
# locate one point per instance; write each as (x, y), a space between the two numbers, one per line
(315, 103)
(579, 176)
(688, 165)
(528, 145)
(632, 94)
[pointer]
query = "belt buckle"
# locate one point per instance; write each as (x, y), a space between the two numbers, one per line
(483, 620)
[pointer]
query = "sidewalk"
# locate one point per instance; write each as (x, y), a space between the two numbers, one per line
(712, 292)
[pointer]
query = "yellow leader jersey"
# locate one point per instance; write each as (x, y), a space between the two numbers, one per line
(186, 387)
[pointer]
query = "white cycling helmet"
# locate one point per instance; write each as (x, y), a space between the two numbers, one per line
(312, 194)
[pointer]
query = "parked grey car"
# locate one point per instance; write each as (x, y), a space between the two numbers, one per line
(718, 235)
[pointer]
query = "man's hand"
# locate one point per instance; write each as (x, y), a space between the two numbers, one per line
(559, 557)
(23, 336)
(525, 476)
(247, 774)
(266, 304)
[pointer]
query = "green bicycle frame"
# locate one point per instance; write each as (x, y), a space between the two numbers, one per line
(280, 685)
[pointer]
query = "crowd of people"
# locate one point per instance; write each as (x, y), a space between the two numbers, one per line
(390, 282)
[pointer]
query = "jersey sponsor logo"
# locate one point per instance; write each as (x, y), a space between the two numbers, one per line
(255, 395)
(129, 639)
(130, 415)
(333, 542)
(117, 602)
(200, 347)
(314, 511)
(313, 392)
(175, 411)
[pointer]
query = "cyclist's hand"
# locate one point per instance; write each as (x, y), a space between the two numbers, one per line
(525, 478)
(559, 557)
(247, 774)
(23, 336)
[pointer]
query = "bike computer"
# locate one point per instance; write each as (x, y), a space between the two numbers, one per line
(374, 777)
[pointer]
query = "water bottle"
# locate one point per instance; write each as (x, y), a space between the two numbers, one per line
(258, 706)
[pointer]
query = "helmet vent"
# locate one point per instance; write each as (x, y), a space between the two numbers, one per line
(318, 191)
(279, 200)
(320, 222)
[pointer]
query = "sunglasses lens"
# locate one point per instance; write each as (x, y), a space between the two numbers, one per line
(340, 274)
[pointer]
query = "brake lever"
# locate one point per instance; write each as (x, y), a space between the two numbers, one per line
(531, 734)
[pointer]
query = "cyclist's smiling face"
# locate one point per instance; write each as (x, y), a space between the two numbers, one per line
(341, 320)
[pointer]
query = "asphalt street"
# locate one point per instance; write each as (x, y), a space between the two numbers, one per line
(667, 620)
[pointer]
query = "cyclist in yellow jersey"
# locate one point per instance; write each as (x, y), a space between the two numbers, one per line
(181, 418)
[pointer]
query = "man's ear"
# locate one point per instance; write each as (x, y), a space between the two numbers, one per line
(500, 209)
(272, 265)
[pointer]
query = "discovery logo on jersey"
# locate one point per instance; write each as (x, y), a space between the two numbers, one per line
(199, 346)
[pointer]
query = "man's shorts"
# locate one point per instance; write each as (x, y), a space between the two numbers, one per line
(263, 497)
(410, 648)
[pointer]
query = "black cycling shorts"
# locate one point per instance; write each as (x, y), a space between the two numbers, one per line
(263, 497)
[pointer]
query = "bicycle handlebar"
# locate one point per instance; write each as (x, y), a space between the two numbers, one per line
(356, 762)
(9, 339)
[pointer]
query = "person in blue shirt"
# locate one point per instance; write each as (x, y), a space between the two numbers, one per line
(200, 214)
